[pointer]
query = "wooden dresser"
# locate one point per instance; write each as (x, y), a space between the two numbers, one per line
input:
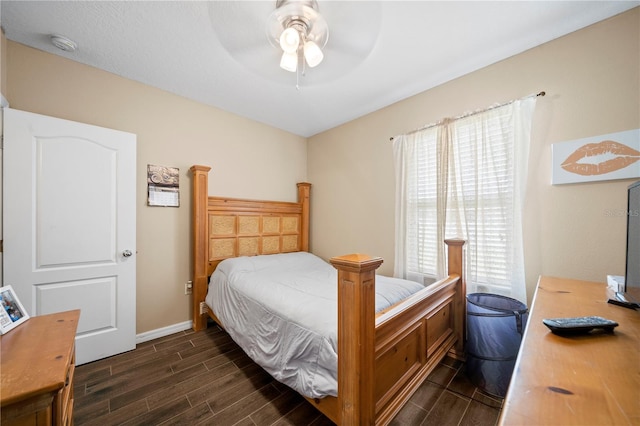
(36, 371)
(591, 379)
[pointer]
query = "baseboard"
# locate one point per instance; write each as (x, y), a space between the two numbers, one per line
(161, 332)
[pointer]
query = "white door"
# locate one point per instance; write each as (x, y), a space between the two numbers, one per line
(69, 226)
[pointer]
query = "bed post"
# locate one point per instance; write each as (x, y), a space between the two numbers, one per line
(356, 338)
(200, 233)
(456, 267)
(304, 190)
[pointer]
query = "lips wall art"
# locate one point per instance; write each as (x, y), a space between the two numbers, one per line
(605, 157)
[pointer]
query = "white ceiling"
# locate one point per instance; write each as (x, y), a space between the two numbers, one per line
(217, 52)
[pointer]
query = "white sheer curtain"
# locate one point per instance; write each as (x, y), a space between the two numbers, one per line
(417, 227)
(465, 178)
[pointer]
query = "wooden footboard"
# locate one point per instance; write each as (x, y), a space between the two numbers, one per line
(383, 358)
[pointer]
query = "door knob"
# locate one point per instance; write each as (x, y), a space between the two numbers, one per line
(127, 253)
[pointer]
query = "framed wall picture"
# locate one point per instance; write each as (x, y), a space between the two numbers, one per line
(597, 158)
(12, 313)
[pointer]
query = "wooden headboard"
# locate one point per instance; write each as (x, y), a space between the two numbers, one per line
(232, 227)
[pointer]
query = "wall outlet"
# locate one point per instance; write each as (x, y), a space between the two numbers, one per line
(188, 286)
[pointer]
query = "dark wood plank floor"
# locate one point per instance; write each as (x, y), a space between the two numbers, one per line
(204, 378)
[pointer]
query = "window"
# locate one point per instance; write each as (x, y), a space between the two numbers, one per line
(465, 178)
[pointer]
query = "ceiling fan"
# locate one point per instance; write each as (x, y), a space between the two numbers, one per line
(256, 33)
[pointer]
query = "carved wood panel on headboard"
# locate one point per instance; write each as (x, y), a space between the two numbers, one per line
(239, 227)
(233, 234)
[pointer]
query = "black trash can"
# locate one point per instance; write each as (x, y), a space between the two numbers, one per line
(495, 325)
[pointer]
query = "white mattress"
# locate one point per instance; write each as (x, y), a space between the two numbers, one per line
(281, 309)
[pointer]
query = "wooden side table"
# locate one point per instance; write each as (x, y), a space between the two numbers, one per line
(37, 363)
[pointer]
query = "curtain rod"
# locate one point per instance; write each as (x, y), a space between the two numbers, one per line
(542, 93)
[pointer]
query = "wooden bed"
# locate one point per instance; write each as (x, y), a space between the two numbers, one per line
(384, 357)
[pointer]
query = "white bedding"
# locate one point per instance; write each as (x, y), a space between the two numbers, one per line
(281, 309)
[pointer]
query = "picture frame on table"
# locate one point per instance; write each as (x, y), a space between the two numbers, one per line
(12, 313)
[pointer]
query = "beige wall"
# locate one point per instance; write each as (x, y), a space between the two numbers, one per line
(592, 80)
(248, 160)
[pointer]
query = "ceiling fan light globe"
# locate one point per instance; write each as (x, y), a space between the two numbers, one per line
(289, 62)
(312, 53)
(289, 40)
